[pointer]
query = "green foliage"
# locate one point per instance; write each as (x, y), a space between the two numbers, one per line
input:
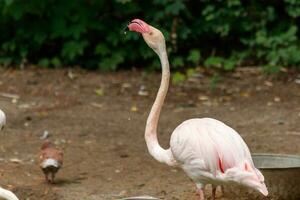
(194, 56)
(214, 80)
(178, 78)
(217, 34)
(220, 63)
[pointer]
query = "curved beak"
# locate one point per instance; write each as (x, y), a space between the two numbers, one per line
(263, 189)
(139, 26)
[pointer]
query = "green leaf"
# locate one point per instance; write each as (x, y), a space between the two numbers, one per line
(213, 61)
(111, 63)
(229, 64)
(178, 78)
(271, 69)
(102, 49)
(73, 49)
(178, 62)
(56, 62)
(99, 91)
(190, 72)
(194, 56)
(175, 7)
(44, 62)
(214, 80)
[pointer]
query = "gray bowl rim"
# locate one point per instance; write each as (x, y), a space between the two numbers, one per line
(277, 155)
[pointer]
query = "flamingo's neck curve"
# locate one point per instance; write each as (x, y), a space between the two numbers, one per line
(8, 195)
(160, 154)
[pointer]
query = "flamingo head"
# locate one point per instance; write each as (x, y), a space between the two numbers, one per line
(152, 36)
(258, 185)
(2, 119)
(249, 177)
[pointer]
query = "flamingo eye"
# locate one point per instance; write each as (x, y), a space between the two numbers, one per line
(151, 33)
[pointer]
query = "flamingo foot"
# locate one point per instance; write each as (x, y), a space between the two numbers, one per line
(200, 192)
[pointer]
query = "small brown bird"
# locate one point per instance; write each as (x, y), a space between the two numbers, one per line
(51, 159)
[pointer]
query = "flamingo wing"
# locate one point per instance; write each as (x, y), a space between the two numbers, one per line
(209, 142)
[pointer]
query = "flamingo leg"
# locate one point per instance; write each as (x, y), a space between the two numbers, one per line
(47, 177)
(200, 191)
(222, 189)
(214, 189)
(52, 177)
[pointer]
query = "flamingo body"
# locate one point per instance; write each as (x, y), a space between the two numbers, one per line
(209, 151)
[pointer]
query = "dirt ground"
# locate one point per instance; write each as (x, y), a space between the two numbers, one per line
(98, 119)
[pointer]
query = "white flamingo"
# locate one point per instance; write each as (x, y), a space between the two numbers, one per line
(5, 194)
(209, 151)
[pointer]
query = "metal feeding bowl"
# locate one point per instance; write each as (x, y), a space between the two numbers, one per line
(282, 177)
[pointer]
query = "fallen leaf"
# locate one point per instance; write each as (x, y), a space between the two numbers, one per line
(87, 142)
(245, 94)
(203, 98)
(14, 101)
(45, 135)
(258, 88)
(268, 83)
(134, 109)
(99, 92)
(277, 99)
(8, 95)
(143, 91)
(122, 193)
(24, 106)
(71, 75)
(15, 160)
(97, 105)
(126, 85)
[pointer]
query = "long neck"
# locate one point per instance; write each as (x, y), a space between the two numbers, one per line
(8, 195)
(160, 154)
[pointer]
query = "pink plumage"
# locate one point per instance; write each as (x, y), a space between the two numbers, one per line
(209, 151)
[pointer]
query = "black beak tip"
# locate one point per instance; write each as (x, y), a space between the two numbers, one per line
(125, 29)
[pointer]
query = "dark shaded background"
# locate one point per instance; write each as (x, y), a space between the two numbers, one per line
(89, 33)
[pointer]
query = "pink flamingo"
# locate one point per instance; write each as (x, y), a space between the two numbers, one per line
(209, 151)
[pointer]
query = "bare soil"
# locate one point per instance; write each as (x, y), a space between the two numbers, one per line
(98, 119)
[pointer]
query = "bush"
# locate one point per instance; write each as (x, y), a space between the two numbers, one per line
(220, 34)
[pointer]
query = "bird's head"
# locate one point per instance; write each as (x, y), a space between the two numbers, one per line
(250, 177)
(254, 183)
(46, 144)
(152, 36)
(2, 119)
